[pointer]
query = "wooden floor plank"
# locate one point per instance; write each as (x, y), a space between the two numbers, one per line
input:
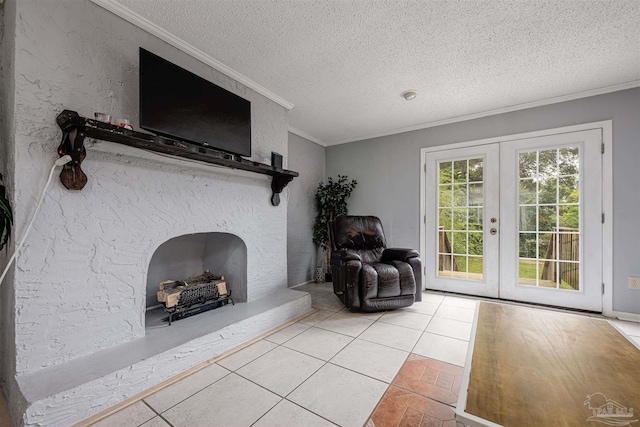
(537, 368)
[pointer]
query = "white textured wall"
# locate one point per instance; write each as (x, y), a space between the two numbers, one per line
(80, 279)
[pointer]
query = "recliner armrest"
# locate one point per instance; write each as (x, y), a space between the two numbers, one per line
(398, 254)
(345, 255)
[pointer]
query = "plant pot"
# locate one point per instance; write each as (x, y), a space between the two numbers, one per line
(319, 275)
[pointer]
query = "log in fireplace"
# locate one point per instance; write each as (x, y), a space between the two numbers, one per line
(193, 295)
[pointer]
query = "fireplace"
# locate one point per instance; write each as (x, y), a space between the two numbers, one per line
(222, 253)
(76, 339)
(106, 342)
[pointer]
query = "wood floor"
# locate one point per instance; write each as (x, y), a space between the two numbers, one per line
(540, 368)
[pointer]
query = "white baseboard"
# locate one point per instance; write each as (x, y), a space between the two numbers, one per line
(300, 284)
(631, 317)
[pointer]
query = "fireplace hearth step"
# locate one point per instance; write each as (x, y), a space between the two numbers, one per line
(57, 395)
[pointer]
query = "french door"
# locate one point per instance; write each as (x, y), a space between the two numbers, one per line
(462, 201)
(518, 220)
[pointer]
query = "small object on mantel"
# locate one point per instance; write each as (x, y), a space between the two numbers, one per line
(102, 117)
(124, 123)
(276, 160)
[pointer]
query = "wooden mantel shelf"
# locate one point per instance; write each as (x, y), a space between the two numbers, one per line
(76, 128)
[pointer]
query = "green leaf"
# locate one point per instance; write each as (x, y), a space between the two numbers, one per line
(6, 218)
(331, 201)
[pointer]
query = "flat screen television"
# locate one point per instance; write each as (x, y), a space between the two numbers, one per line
(179, 104)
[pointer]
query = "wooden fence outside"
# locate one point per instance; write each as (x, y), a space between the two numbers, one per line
(564, 245)
(446, 262)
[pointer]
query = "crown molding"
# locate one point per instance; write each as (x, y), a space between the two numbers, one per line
(148, 26)
(304, 135)
(548, 101)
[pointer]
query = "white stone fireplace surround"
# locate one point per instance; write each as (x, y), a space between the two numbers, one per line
(83, 292)
(73, 305)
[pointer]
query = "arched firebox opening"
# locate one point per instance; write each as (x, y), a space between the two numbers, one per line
(189, 255)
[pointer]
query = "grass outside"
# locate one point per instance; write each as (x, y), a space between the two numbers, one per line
(527, 270)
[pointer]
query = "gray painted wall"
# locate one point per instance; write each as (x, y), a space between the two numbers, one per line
(388, 172)
(307, 158)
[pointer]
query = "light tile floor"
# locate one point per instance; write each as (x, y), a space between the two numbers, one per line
(330, 368)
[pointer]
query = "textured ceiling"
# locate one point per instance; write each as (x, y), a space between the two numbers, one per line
(344, 64)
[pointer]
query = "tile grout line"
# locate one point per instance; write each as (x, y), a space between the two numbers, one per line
(157, 414)
(405, 361)
(410, 353)
(333, 364)
(229, 372)
(299, 385)
(386, 391)
(108, 412)
(324, 362)
(309, 410)
(428, 397)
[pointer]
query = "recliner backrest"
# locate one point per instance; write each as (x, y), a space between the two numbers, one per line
(362, 234)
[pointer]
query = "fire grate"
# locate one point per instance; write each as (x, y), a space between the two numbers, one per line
(194, 295)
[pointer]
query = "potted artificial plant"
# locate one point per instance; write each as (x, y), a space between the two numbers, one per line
(6, 217)
(331, 202)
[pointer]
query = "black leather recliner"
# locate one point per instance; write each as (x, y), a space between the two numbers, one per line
(367, 275)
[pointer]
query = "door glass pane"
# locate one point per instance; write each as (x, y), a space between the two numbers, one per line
(460, 171)
(460, 195)
(528, 246)
(528, 164)
(445, 265)
(475, 170)
(446, 171)
(461, 264)
(547, 190)
(445, 219)
(528, 218)
(527, 191)
(549, 218)
(474, 222)
(475, 195)
(475, 265)
(460, 219)
(475, 243)
(460, 213)
(568, 189)
(460, 243)
(444, 195)
(569, 217)
(528, 272)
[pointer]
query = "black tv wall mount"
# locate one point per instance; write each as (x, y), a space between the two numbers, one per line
(76, 128)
